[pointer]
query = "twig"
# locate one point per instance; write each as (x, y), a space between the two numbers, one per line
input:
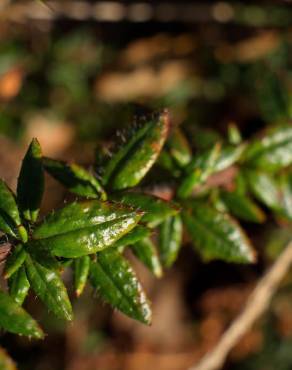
(255, 306)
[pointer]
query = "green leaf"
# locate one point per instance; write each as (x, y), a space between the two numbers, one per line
(14, 261)
(156, 209)
(234, 136)
(271, 152)
(228, 156)
(6, 363)
(242, 207)
(198, 171)
(118, 285)
(75, 178)
(131, 163)
(81, 271)
(84, 228)
(265, 188)
(146, 252)
(285, 185)
(30, 186)
(179, 148)
(49, 287)
(19, 285)
(135, 235)
(170, 239)
(9, 214)
(216, 235)
(15, 319)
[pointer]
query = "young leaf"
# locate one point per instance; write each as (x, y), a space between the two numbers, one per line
(14, 261)
(30, 186)
(9, 214)
(216, 235)
(156, 209)
(75, 178)
(234, 136)
(179, 148)
(271, 152)
(81, 271)
(170, 239)
(198, 171)
(6, 363)
(84, 228)
(50, 288)
(19, 285)
(118, 285)
(146, 252)
(15, 319)
(242, 207)
(131, 163)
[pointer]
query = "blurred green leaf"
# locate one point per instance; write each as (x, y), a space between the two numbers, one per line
(234, 135)
(112, 276)
(216, 235)
(81, 271)
(170, 239)
(14, 261)
(272, 151)
(49, 287)
(84, 228)
(75, 178)
(15, 319)
(198, 171)
(19, 285)
(228, 156)
(146, 252)
(179, 148)
(156, 209)
(242, 207)
(30, 186)
(130, 164)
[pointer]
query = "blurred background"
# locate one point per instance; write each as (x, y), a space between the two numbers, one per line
(71, 74)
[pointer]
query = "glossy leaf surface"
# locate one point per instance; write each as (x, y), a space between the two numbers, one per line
(131, 163)
(156, 209)
(75, 178)
(216, 235)
(14, 261)
(30, 186)
(49, 287)
(84, 228)
(136, 234)
(170, 239)
(146, 252)
(116, 283)
(15, 319)
(19, 285)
